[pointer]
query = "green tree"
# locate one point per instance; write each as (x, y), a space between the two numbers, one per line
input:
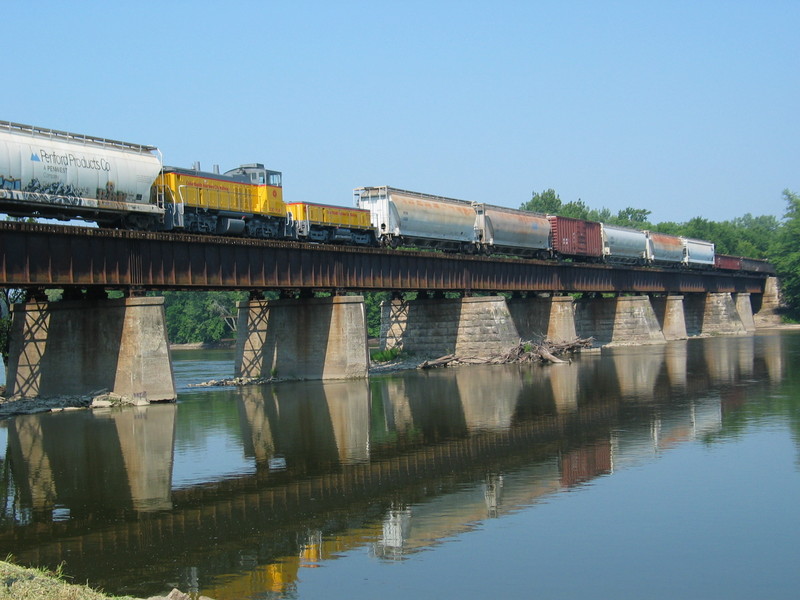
(547, 202)
(633, 217)
(7, 298)
(576, 209)
(784, 253)
(756, 234)
(372, 304)
(194, 317)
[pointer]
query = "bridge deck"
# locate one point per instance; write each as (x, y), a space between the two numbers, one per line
(41, 255)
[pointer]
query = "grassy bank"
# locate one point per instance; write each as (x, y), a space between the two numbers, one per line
(19, 583)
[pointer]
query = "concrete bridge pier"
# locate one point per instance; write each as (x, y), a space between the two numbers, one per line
(551, 318)
(767, 305)
(82, 346)
(439, 326)
(744, 309)
(712, 313)
(618, 320)
(670, 315)
(307, 338)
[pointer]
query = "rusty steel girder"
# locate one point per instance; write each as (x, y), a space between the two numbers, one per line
(39, 255)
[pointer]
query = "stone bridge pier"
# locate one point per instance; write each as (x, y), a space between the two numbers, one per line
(77, 347)
(440, 326)
(767, 306)
(493, 324)
(307, 338)
(713, 314)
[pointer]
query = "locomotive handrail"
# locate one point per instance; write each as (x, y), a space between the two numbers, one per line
(78, 137)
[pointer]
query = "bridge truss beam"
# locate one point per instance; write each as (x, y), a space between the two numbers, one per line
(51, 256)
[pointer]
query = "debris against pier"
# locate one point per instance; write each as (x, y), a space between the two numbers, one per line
(524, 352)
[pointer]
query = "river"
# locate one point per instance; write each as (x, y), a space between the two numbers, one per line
(652, 472)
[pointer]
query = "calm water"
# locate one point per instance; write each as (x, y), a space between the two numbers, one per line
(649, 472)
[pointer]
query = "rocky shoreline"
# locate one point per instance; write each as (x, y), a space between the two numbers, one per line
(20, 405)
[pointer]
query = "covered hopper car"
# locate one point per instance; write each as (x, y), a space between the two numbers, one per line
(401, 217)
(624, 245)
(664, 249)
(63, 175)
(507, 231)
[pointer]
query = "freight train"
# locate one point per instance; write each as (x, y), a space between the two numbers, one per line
(62, 175)
(401, 217)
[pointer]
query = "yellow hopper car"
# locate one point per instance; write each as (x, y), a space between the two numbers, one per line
(326, 223)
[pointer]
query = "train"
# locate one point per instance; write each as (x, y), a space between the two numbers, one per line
(405, 218)
(62, 175)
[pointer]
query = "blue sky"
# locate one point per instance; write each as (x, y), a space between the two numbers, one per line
(683, 108)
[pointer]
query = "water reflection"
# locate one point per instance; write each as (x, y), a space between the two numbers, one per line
(638, 370)
(396, 465)
(79, 463)
(306, 427)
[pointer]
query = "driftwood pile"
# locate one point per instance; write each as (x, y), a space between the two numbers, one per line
(524, 352)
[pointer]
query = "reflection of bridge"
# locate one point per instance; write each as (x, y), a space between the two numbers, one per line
(376, 464)
(121, 344)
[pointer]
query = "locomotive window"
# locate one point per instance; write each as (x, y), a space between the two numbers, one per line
(274, 179)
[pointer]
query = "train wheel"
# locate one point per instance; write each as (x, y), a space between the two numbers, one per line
(137, 222)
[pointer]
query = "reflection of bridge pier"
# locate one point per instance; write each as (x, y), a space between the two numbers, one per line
(773, 357)
(722, 363)
(675, 360)
(103, 461)
(78, 347)
(323, 423)
(637, 371)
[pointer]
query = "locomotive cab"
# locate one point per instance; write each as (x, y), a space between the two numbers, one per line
(256, 174)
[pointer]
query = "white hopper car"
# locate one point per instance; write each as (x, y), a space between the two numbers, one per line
(50, 173)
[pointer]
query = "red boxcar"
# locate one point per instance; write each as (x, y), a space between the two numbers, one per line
(729, 263)
(576, 237)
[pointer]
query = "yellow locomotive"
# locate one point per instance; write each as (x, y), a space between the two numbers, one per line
(248, 201)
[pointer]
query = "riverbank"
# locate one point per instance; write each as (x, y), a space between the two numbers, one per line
(20, 583)
(18, 405)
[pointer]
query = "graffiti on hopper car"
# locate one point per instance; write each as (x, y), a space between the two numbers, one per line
(10, 183)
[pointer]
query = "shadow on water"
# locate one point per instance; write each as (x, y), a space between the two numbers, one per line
(231, 491)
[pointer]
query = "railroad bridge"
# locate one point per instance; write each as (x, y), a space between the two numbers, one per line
(88, 342)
